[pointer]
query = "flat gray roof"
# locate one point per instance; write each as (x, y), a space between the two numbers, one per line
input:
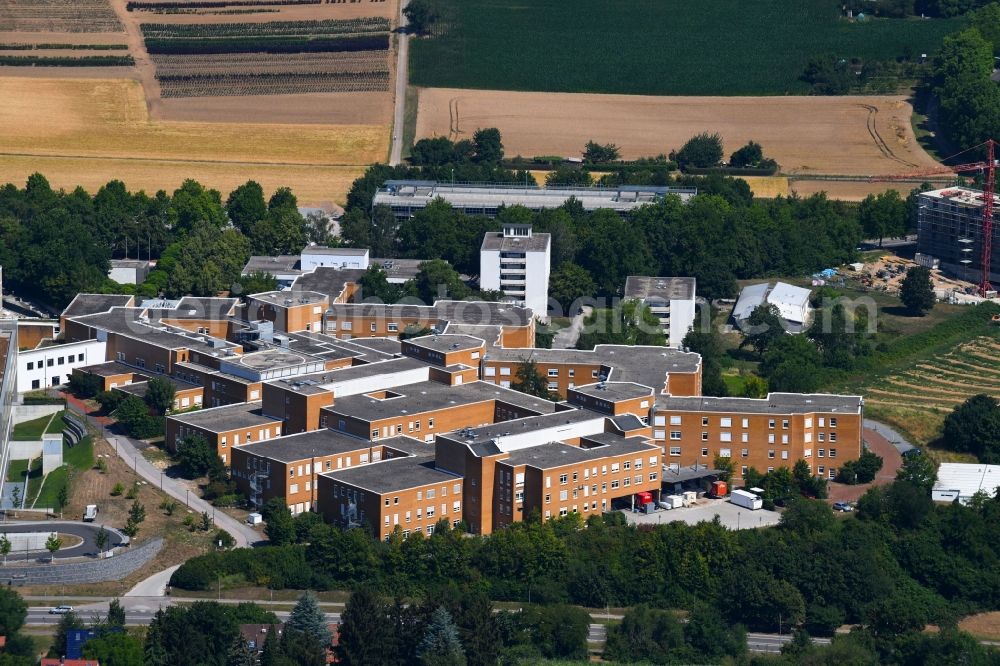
(228, 417)
(557, 454)
(86, 304)
(648, 366)
(327, 280)
(393, 475)
(495, 241)
(283, 263)
(614, 391)
(482, 435)
(346, 251)
(660, 288)
(126, 321)
(325, 442)
(431, 396)
(287, 299)
(398, 269)
(456, 312)
(417, 194)
(774, 403)
(384, 346)
(320, 379)
(447, 343)
(110, 368)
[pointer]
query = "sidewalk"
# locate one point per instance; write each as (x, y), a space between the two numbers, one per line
(129, 450)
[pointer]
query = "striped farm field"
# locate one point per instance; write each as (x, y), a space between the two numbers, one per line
(919, 398)
(89, 131)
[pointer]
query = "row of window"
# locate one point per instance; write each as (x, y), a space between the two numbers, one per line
(61, 360)
(675, 451)
(593, 507)
(727, 421)
(417, 529)
(677, 435)
(427, 512)
(830, 472)
(626, 465)
(411, 427)
(564, 495)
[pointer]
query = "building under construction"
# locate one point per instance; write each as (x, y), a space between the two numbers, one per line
(950, 229)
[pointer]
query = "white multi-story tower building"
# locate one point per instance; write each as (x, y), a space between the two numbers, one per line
(516, 262)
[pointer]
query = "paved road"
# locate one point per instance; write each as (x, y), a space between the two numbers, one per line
(771, 643)
(402, 78)
(40, 616)
(155, 585)
(86, 531)
(566, 338)
(129, 450)
(894, 437)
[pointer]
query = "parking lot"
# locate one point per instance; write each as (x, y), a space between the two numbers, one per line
(730, 515)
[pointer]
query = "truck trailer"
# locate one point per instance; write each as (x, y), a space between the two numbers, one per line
(746, 499)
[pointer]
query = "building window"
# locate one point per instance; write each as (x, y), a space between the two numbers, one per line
(562, 479)
(704, 421)
(553, 386)
(704, 436)
(627, 481)
(822, 422)
(820, 470)
(31, 365)
(627, 465)
(563, 495)
(746, 423)
(784, 439)
(821, 453)
(548, 498)
(725, 453)
(572, 372)
(675, 435)
(430, 423)
(784, 424)
(726, 422)
(725, 437)
(393, 327)
(784, 455)
(770, 438)
(744, 437)
(833, 423)
(553, 372)
(652, 476)
(675, 420)
(745, 452)
(822, 437)
(704, 453)
(614, 484)
(675, 450)
(833, 453)
(833, 437)
(374, 433)
(770, 453)
(770, 423)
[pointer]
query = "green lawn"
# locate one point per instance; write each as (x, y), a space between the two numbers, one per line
(657, 47)
(30, 431)
(50, 488)
(34, 481)
(81, 456)
(56, 425)
(16, 470)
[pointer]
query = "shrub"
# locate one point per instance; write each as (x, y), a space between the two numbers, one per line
(117, 490)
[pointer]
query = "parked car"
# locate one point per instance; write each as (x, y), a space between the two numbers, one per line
(60, 610)
(90, 514)
(842, 506)
(911, 453)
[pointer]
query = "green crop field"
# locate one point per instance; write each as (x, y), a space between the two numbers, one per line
(656, 47)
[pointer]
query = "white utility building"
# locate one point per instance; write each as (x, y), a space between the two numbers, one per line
(52, 365)
(516, 262)
(792, 303)
(336, 257)
(960, 481)
(670, 299)
(129, 271)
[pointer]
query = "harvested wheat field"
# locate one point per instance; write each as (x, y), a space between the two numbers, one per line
(848, 190)
(81, 131)
(819, 135)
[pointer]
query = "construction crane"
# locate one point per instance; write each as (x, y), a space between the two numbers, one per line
(989, 169)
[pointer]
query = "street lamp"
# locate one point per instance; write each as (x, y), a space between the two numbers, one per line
(187, 494)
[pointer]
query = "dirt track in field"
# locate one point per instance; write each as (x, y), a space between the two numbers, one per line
(807, 135)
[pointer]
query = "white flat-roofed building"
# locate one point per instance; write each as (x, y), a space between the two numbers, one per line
(670, 299)
(792, 303)
(129, 271)
(517, 262)
(406, 197)
(52, 365)
(335, 257)
(960, 481)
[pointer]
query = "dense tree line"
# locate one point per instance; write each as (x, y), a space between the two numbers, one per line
(968, 100)
(54, 244)
(881, 568)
